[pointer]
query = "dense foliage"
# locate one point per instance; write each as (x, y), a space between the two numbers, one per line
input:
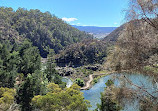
(86, 52)
(6, 98)
(17, 61)
(79, 82)
(30, 58)
(33, 84)
(22, 59)
(21, 70)
(69, 99)
(45, 31)
(8, 65)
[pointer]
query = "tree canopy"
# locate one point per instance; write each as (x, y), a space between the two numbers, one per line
(69, 99)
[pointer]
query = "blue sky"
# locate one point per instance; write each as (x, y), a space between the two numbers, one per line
(103, 13)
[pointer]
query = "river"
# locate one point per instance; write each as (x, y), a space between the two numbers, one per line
(68, 81)
(93, 95)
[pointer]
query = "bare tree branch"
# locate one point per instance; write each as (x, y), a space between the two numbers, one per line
(140, 88)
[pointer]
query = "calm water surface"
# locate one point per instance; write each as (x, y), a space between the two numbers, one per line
(93, 95)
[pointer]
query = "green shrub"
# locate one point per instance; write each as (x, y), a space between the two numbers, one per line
(95, 80)
(79, 82)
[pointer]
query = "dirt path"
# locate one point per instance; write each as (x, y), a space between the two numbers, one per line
(88, 83)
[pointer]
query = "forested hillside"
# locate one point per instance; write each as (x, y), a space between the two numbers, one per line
(83, 53)
(44, 30)
(25, 36)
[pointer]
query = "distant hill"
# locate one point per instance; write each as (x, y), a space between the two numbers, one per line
(112, 37)
(98, 32)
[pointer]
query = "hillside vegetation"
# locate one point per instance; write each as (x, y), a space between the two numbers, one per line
(44, 30)
(25, 36)
(86, 52)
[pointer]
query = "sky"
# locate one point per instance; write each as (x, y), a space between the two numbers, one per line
(102, 13)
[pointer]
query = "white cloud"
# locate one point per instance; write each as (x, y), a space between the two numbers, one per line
(115, 23)
(89, 25)
(78, 23)
(69, 19)
(85, 25)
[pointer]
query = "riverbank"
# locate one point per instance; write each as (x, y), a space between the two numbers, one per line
(88, 83)
(93, 94)
(101, 74)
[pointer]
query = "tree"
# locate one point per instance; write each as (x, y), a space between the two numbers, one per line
(50, 68)
(25, 94)
(108, 103)
(30, 59)
(79, 82)
(7, 95)
(136, 49)
(8, 65)
(54, 88)
(6, 98)
(58, 99)
(31, 86)
(145, 9)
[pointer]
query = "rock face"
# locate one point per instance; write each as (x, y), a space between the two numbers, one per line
(44, 60)
(79, 72)
(65, 71)
(94, 67)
